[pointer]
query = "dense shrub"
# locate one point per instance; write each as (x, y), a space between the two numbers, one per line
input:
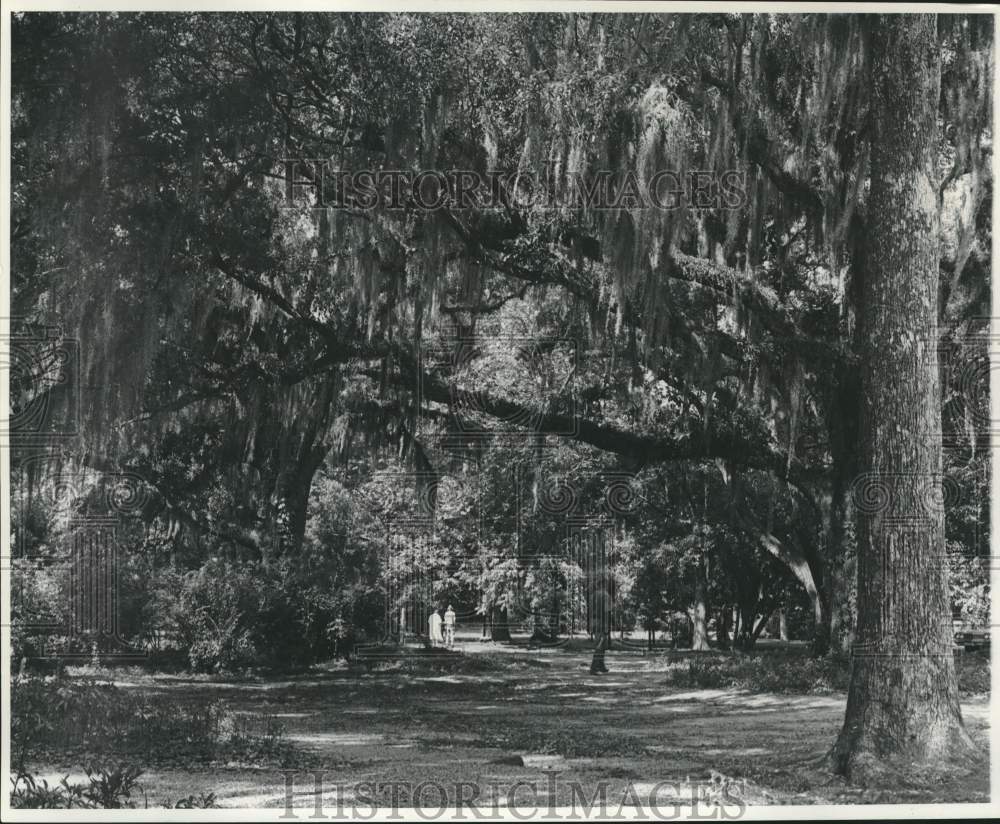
(231, 617)
(213, 612)
(225, 616)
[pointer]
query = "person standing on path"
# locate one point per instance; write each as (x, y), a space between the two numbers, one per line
(434, 627)
(449, 628)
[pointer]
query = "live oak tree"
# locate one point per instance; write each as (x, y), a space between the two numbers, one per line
(903, 697)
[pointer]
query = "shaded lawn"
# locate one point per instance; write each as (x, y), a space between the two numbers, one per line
(471, 720)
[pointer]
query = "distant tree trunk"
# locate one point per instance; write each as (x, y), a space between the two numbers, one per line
(699, 626)
(808, 574)
(499, 626)
(765, 619)
(782, 625)
(597, 663)
(723, 624)
(820, 644)
(600, 617)
(745, 637)
(556, 613)
(902, 703)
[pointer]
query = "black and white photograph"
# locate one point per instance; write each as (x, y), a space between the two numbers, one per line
(552, 411)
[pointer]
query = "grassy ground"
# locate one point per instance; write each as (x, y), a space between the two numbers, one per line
(498, 715)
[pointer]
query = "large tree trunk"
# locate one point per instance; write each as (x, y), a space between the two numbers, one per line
(902, 704)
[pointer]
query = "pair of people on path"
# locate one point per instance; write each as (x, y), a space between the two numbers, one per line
(447, 639)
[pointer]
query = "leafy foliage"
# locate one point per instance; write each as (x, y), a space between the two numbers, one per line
(110, 787)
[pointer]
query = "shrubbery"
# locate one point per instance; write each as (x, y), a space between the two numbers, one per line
(220, 617)
(205, 604)
(774, 672)
(110, 786)
(230, 617)
(57, 719)
(213, 610)
(58, 716)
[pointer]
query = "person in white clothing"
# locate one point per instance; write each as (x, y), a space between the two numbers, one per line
(449, 628)
(434, 622)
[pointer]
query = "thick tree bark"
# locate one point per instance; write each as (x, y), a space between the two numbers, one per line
(782, 625)
(902, 705)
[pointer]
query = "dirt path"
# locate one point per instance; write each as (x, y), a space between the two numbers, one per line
(543, 716)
